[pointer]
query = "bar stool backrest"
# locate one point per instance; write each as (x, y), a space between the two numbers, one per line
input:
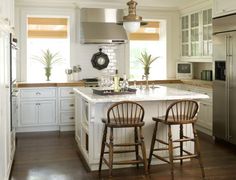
(125, 113)
(183, 111)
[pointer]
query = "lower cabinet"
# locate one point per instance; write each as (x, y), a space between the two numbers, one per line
(205, 118)
(46, 108)
(204, 122)
(38, 113)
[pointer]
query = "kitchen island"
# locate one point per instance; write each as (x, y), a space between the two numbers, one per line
(91, 108)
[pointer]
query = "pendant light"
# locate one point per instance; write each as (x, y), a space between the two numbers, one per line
(132, 22)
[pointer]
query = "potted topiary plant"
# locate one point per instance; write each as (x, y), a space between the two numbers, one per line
(146, 59)
(48, 59)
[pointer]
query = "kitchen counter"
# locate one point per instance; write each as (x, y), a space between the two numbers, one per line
(198, 82)
(91, 108)
(157, 93)
(50, 84)
(194, 82)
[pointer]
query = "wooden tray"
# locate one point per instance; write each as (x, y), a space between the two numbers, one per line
(111, 92)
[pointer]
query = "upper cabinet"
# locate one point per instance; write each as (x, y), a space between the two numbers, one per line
(7, 12)
(221, 8)
(196, 36)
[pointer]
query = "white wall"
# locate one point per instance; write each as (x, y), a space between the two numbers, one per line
(82, 53)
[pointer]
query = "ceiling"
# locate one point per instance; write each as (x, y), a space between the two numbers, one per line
(169, 4)
(149, 3)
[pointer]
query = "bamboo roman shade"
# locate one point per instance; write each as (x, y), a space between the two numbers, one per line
(149, 32)
(47, 27)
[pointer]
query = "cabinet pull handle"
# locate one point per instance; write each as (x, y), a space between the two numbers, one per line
(71, 105)
(72, 118)
(6, 20)
(38, 93)
(37, 104)
(71, 93)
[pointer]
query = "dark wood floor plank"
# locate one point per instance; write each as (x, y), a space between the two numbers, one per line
(50, 156)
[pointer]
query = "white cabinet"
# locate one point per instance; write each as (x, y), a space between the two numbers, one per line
(7, 12)
(205, 119)
(66, 106)
(38, 113)
(6, 141)
(204, 122)
(37, 107)
(196, 38)
(221, 8)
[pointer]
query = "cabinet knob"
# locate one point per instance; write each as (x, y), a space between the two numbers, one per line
(72, 118)
(71, 105)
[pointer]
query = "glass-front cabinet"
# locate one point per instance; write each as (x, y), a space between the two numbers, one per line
(196, 40)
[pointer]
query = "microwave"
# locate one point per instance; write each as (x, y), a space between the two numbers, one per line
(184, 70)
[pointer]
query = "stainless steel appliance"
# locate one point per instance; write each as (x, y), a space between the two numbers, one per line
(224, 84)
(13, 88)
(99, 26)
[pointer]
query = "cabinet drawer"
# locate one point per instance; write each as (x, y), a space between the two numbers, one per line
(67, 117)
(67, 104)
(38, 93)
(66, 92)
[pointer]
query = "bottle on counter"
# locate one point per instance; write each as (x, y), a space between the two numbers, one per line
(125, 83)
(116, 82)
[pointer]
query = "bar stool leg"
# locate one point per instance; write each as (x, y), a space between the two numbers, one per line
(143, 151)
(152, 144)
(170, 151)
(136, 146)
(181, 143)
(102, 147)
(111, 152)
(197, 145)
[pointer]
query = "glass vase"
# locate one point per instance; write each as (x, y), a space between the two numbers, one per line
(48, 72)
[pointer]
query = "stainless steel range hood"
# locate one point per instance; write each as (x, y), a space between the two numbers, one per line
(98, 26)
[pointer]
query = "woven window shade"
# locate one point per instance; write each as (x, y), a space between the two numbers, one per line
(47, 27)
(149, 32)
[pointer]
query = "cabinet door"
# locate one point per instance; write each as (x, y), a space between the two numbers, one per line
(207, 32)
(221, 7)
(185, 35)
(205, 116)
(7, 11)
(194, 34)
(47, 112)
(28, 113)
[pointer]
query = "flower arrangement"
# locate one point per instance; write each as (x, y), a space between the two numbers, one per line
(48, 59)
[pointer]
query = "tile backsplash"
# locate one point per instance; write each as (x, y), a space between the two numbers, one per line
(198, 67)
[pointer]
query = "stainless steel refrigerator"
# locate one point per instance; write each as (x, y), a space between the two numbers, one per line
(224, 84)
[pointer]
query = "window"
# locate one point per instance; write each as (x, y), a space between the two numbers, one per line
(147, 39)
(47, 33)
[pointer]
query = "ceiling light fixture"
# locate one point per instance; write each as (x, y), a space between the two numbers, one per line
(132, 22)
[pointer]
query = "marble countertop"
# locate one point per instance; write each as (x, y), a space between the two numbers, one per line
(158, 93)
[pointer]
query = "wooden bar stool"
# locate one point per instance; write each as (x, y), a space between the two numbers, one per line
(178, 113)
(125, 114)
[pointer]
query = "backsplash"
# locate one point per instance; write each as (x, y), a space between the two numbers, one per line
(199, 67)
(110, 51)
(116, 54)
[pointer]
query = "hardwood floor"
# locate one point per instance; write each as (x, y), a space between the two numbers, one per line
(48, 156)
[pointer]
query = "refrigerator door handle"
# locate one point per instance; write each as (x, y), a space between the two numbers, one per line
(227, 44)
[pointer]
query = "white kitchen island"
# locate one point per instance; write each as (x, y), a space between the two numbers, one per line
(91, 108)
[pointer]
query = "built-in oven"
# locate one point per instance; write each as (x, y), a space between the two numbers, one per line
(13, 88)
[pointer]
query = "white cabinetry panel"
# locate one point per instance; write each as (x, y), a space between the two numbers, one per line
(28, 113)
(37, 107)
(47, 112)
(221, 8)
(196, 33)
